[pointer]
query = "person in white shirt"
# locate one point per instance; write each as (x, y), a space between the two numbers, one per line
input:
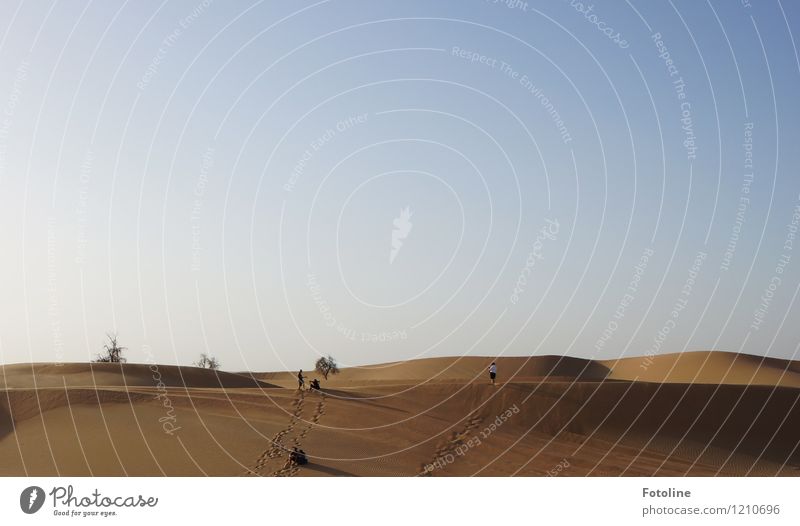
(493, 372)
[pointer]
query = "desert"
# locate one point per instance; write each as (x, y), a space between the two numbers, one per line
(696, 413)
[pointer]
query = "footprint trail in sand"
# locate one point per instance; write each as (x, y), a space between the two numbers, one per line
(456, 439)
(277, 448)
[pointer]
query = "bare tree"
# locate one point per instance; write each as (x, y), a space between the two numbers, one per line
(207, 362)
(112, 352)
(326, 366)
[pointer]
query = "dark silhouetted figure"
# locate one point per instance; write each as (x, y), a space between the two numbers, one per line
(298, 456)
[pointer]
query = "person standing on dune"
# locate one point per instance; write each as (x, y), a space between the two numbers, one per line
(493, 372)
(301, 382)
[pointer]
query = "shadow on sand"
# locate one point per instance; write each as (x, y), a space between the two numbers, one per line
(327, 470)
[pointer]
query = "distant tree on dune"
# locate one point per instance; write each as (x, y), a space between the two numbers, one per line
(207, 362)
(326, 366)
(112, 352)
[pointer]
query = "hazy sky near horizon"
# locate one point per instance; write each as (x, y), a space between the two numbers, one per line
(231, 177)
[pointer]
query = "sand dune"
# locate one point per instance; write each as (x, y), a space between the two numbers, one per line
(42, 375)
(457, 370)
(703, 367)
(439, 416)
(707, 367)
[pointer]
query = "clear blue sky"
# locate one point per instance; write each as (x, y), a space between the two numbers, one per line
(228, 177)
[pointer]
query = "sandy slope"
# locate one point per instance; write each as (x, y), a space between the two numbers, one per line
(568, 417)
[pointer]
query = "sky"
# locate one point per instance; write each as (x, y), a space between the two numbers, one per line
(273, 181)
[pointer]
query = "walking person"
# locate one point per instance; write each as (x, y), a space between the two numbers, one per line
(301, 382)
(493, 372)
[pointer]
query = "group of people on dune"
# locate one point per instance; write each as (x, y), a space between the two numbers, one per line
(301, 382)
